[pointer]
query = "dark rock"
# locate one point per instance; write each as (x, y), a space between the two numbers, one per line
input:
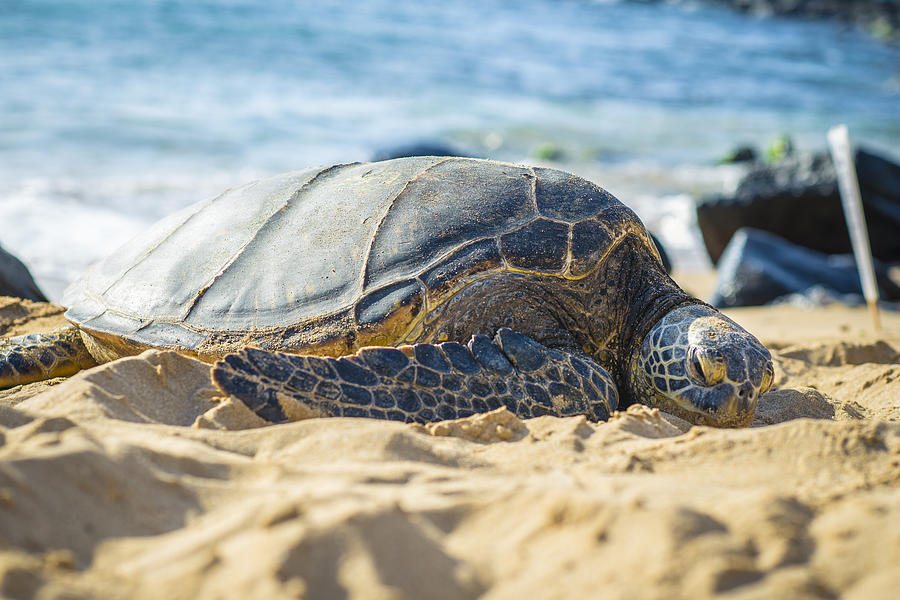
(416, 149)
(15, 280)
(758, 267)
(861, 12)
(740, 154)
(858, 11)
(798, 199)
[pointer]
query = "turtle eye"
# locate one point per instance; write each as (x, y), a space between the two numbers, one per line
(695, 368)
(705, 368)
(768, 379)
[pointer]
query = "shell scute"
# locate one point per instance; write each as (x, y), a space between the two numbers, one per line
(567, 197)
(476, 257)
(443, 209)
(590, 240)
(388, 311)
(540, 246)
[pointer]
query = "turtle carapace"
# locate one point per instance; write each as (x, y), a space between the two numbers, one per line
(415, 289)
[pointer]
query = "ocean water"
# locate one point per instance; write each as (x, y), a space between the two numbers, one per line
(115, 113)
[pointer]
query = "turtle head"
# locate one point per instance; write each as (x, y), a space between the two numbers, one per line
(700, 365)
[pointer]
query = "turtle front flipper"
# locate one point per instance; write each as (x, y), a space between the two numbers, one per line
(420, 383)
(38, 356)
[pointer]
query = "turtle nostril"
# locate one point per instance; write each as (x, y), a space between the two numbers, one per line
(745, 392)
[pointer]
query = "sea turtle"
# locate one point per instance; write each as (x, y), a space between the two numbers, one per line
(414, 289)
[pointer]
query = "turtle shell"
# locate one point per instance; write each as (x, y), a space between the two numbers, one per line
(350, 255)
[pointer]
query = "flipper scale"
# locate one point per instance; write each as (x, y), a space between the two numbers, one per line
(450, 381)
(37, 356)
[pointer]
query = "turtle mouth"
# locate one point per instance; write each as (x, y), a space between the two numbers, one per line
(733, 406)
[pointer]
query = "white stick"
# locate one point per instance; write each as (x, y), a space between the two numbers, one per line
(839, 142)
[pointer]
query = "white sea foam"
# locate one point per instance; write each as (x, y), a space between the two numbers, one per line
(60, 226)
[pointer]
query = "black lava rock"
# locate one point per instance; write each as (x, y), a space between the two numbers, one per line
(798, 199)
(741, 154)
(758, 267)
(15, 280)
(861, 12)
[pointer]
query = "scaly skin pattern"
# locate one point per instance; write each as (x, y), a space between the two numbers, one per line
(421, 383)
(699, 364)
(37, 356)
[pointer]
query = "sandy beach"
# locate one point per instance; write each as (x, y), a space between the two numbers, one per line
(218, 120)
(135, 480)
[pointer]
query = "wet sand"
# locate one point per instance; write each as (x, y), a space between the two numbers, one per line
(136, 480)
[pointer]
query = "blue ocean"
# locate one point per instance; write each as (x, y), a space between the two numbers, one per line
(115, 113)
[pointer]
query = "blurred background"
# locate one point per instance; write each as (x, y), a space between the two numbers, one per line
(115, 113)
